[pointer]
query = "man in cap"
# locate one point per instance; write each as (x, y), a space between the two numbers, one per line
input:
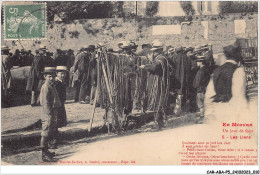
(22, 61)
(50, 103)
(145, 50)
(227, 91)
(223, 75)
(6, 77)
(35, 76)
(158, 84)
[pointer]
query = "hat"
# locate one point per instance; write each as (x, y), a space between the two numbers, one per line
(91, 47)
(84, 47)
(100, 45)
(155, 41)
(146, 45)
(231, 49)
(119, 44)
(200, 58)
(61, 69)
(133, 45)
(49, 70)
(125, 45)
(187, 49)
(5, 47)
(22, 51)
(157, 45)
(179, 49)
(171, 49)
(110, 50)
(42, 47)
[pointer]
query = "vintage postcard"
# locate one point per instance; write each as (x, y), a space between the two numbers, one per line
(130, 83)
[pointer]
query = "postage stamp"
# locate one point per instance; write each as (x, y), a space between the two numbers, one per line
(25, 21)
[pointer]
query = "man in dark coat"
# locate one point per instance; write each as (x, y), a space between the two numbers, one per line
(60, 59)
(93, 72)
(82, 66)
(145, 50)
(158, 84)
(182, 74)
(35, 76)
(6, 77)
(200, 83)
(15, 57)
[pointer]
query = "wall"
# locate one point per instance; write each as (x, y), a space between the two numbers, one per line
(217, 31)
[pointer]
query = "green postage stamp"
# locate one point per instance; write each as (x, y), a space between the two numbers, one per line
(25, 21)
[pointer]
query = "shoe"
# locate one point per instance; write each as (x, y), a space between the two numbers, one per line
(83, 102)
(51, 154)
(200, 121)
(33, 105)
(91, 103)
(52, 144)
(155, 129)
(46, 157)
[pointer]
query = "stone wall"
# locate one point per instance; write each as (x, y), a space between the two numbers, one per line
(218, 31)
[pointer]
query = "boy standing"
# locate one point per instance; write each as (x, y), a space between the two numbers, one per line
(50, 102)
(200, 82)
(60, 86)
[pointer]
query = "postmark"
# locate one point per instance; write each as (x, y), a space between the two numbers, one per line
(25, 21)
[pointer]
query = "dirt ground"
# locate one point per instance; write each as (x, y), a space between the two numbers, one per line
(137, 145)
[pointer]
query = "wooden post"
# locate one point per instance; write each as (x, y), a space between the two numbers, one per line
(96, 94)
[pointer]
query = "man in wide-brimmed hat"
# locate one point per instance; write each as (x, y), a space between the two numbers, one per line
(158, 84)
(50, 103)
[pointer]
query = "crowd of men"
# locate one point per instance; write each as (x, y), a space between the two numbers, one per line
(180, 72)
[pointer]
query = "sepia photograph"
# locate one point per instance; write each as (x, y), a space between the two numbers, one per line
(130, 83)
